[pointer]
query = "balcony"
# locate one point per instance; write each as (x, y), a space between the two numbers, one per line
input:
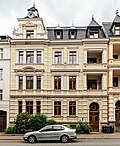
(95, 61)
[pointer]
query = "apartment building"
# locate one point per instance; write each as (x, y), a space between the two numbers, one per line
(112, 30)
(4, 81)
(59, 71)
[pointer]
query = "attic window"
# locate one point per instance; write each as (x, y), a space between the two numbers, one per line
(58, 34)
(117, 30)
(30, 34)
(72, 34)
(94, 33)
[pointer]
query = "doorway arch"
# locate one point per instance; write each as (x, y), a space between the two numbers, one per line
(94, 116)
(117, 114)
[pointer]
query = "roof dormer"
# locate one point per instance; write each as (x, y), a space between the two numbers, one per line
(115, 27)
(93, 29)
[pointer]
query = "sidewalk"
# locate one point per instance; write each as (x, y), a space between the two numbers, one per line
(79, 136)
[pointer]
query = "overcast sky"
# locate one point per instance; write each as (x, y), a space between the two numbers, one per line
(64, 12)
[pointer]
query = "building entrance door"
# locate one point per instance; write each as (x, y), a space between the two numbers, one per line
(94, 117)
(117, 114)
(3, 119)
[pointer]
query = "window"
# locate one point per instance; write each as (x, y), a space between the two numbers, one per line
(72, 108)
(20, 56)
(57, 82)
(29, 107)
(72, 34)
(117, 30)
(1, 74)
(115, 82)
(72, 57)
(58, 34)
(58, 57)
(94, 33)
(30, 34)
(92, 60)
(38, 103)
(19, 107)
(39, 57)
(20, 82)
(47, 128)
(29, 82)
(72, 82)
(92, 84)
(1, 94)
(57, 128)
(1, 53)
(115, 56)
(38, 82)
(57, 108)
(30, 57)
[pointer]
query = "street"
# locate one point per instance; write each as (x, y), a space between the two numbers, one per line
(79, 142)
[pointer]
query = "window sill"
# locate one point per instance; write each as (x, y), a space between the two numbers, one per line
(29, 64)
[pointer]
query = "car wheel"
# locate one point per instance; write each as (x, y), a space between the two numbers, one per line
(64, 139)
(32, 139)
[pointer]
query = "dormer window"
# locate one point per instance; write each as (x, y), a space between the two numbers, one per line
(30, 34)
(94, 33)
(58, 34)
(117, 30)
(72, 34)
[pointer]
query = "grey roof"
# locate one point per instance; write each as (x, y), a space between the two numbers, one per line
(93, 23)
(81, 32)
(116, 20)
(106, 28)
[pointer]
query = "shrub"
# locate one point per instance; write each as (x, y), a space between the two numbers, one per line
(51, 122)
(22, 123)
(83, 127)
(37, 122)
(10, 130)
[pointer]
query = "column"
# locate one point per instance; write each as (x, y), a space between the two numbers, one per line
(24, 56)
(110, 78)
(34, 83)
(34, 106)
(52, 82)
(77, 82)
(42, 56)
(111, 51)
(84, 81)
(104, 81)
(111, 108)
(65, 82)
(23, 105)
(17, 56)
(85, 56)
(104, 56)
(35, 56)
(24, 82)
(17, 83)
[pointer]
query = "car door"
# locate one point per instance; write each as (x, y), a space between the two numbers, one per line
(44, 133)
(56, 132)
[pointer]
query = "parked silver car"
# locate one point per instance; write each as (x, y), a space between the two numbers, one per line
(51, 132)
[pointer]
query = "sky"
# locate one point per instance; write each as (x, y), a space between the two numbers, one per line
(64, 12)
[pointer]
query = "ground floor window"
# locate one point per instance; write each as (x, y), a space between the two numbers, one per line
(72, 108)
(19, 107)
(38, 106)
(57, 108)
(29, 107)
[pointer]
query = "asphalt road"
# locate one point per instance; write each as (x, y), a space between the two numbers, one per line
(80, 142)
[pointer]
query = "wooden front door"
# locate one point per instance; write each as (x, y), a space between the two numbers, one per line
(117, 114)
(94, 117)
(3, 119)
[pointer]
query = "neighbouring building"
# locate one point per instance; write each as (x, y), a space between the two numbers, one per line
(70, 74)
(112, 30)
(4, 81)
